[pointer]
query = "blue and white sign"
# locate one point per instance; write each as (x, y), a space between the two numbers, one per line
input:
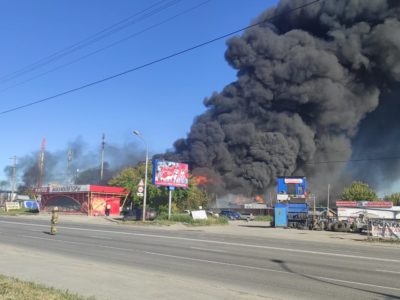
(31, 204)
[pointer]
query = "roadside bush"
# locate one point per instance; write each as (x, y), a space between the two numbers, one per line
(210, 221)
(187, 219)
(263, 218)
(183, 218)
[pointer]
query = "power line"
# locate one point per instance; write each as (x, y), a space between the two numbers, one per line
(107, 47)
(353, 160)
(90, 40)
(154, 61)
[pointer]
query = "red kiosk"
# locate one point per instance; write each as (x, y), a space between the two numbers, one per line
(82, 199)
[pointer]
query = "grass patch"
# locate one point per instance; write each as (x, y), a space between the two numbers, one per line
(15, 289)
(188, 220)
(16, 212)
(263, 218)
(162, 220)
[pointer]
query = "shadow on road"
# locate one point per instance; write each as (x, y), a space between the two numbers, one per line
(284, 266)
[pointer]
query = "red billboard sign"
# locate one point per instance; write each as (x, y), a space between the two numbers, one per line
(382, 204)
(341, 203)
(377, 204)
(169, 173)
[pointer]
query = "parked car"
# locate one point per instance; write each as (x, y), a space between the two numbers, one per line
(212, 214)
(230, 214)
(247, 217)
(137, 214)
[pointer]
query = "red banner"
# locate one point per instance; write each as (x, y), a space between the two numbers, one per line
(342, 203)
(377, 204)
(383, 204)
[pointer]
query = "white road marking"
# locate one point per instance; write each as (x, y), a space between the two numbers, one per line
(208, 249)
(77, 243)
(387, 271)
(357, 283)
(219, 243)
(222, 263)
(270, 270)
(100, 237)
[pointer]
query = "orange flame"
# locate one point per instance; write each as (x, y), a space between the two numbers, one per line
(201, 180)
(259, 199)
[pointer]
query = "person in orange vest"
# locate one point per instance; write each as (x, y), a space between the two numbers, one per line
(108, 209)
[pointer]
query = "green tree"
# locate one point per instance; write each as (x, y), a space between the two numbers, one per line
(359, 191)
(157, 197)
(395, 198)
(129, 178)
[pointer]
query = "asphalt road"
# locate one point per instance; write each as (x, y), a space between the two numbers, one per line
(123, 262)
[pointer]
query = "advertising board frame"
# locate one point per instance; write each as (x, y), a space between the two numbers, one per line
(170, 174)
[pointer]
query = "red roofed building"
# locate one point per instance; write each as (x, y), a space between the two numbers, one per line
(82, 199)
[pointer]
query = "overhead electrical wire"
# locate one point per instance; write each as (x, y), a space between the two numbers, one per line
(107, 47)
(353, 160)
(150, 11)
(152, 62)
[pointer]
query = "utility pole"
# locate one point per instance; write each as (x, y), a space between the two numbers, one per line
(69, 161)
(41, 163)
(14, 176)
(102, 157)
(327, 211)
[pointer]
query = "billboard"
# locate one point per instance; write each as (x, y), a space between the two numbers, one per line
(169, 173)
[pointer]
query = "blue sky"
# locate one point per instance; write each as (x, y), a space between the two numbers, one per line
(160, 101)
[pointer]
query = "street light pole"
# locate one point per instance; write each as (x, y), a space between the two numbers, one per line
(137, 133)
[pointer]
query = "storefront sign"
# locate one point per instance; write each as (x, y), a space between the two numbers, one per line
(69, 189)
(255, 206)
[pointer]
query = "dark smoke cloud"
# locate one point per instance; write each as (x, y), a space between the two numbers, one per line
(84, 168)
(305, 81)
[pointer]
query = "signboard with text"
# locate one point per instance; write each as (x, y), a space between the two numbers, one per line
(371, 204)
(12, 205)
(69, 189)
(169, 173)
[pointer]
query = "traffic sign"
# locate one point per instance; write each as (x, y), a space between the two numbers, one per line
(141, 183)
(139, 194)
(140, 189)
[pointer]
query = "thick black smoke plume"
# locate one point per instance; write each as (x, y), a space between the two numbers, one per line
(305, 81)
(83, 167)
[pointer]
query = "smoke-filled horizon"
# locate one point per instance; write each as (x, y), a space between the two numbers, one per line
(308, 85)
(77, 163)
